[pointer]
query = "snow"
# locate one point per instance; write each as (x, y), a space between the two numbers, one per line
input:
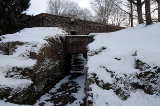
(35, 34)
(123, 44)
(47, 96)
(15, 61)
(122, 49)
(80, 95)
(2, 103)
(34, 39)
(108, 98)
(13, 83)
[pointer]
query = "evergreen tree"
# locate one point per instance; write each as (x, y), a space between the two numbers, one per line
(10, 14)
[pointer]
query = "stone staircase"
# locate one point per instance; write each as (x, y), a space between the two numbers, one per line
(78, 63)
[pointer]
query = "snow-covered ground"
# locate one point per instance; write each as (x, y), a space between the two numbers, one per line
(117, 52)
(103, 97)
(33, 39)
(111, 53)
(2, 103)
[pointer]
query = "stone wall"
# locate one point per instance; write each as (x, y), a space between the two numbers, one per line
(80, 26)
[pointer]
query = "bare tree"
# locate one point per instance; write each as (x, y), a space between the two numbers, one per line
(148, 12)
(71, 9)
(85, 14)
(127, 10)
(56, 7)
(68, 8)
(63, 7)
(138, 4)
(103, 9)
(118, 16)
(131, 12)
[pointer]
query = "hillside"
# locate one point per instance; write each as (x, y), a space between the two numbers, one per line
(19, 54)
(124, 67)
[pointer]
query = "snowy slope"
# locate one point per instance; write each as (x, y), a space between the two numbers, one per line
(120, 50)
(33, 39)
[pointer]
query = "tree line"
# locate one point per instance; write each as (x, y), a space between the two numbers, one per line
(143, 11)
(148, 13)
(68, 8)
(116, 12)
(104, 11)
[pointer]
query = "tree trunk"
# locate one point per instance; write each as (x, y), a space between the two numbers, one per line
(158, 10)
(140, 14)
(131, 14)
(148, 12)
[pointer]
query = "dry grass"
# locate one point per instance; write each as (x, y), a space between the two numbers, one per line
(54, 49)
(9, 47)
(49, 68)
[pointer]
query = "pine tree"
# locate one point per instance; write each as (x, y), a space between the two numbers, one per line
(10, 14)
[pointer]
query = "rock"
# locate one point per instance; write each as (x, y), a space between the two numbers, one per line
(107, 86)
(141, 65)
(32, 55)
(20, 73)
(24, 96)
(97, 51)
(117, 59)
(5, 92)
(122, 94)
(149, 90)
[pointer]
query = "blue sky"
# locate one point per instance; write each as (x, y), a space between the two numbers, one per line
(40, 6)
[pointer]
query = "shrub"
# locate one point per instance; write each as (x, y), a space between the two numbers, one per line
(49, 68)
(54, 49)
(9, 47)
